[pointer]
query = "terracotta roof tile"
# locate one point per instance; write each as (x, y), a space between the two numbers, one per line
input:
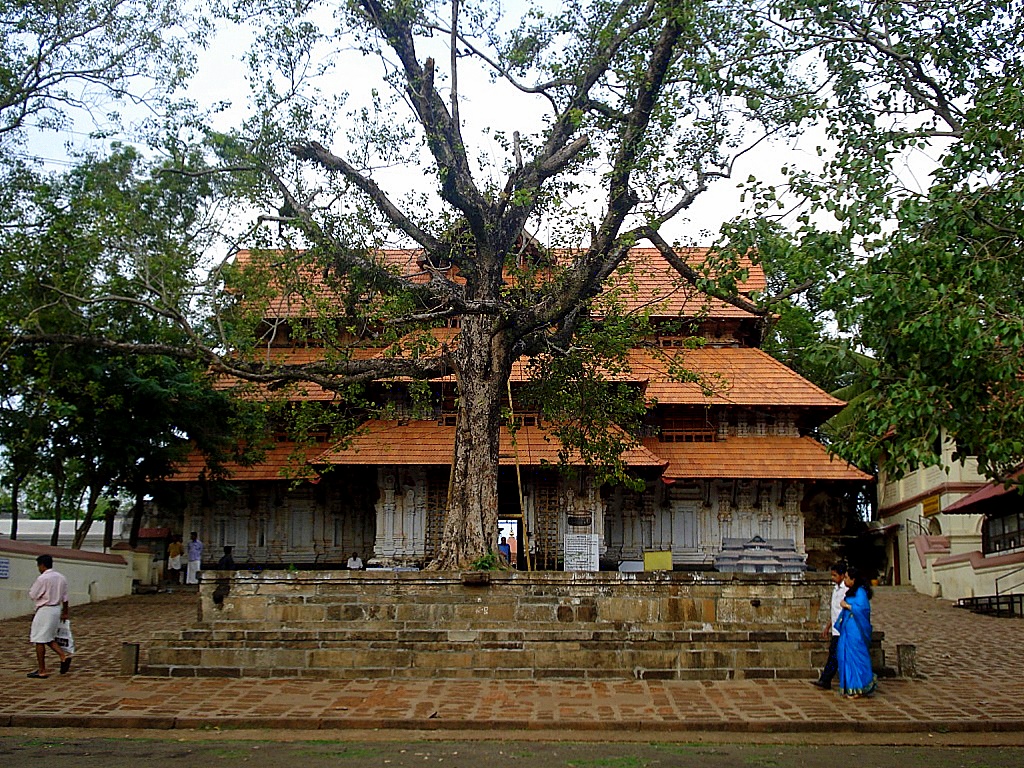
(280, 461)
(655, 286)
(649, 283)
(427, 442)
(741, 376)
(782, 458)
(732, 375)
(969, 504)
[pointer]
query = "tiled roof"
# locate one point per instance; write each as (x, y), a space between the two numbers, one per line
(741, 376)
(729, 376)
(782, 458)
(645, 282)
(282, 460)
(652, 284)
(427, 442)
(302, 355)
(294, 304)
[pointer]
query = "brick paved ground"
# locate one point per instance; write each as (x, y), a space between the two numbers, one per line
(970, 666)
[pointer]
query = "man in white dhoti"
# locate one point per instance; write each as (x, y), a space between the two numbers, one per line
(50, 594)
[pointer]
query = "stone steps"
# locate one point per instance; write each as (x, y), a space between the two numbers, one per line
(597, 654)
(596, 634)
(590, 652)
(509, 625)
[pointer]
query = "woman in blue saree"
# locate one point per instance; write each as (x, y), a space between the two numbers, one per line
(856, 677)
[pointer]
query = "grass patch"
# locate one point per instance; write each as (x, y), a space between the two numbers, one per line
(628, 761)
(227, 753)
(335, 751)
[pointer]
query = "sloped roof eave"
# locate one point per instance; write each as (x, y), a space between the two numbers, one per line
(771, 457)
(432, 444)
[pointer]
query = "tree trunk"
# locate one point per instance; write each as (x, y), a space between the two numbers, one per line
(15, 491)
(108, 524)
(59, 485)
(471, 522)
(133, 537)
(90, 510)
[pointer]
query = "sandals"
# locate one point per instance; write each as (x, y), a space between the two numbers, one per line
(65, 665)
(35, 674)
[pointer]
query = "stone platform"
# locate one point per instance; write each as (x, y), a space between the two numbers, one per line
(506, 625)
(966, 690)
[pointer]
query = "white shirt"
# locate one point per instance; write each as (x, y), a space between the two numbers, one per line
(355, 564)
(49, 588)
(838, 595)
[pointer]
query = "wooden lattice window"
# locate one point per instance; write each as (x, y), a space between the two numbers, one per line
(676, 342)
(546, 513)
(525, 420)
(1003, 533)
(437, 505)
(688, 429)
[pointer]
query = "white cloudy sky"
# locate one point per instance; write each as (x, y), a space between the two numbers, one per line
(221, 78)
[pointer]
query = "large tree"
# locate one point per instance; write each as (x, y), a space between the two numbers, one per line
(628, 111)
(640, 105)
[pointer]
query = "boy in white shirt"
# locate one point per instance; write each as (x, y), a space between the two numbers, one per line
(838, 595)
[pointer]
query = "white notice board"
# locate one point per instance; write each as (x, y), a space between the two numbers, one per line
(581, 552)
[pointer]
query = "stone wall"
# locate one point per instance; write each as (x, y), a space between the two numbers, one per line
(515, 625)
(676, 600)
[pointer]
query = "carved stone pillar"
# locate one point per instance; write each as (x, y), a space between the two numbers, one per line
(745, 516)
(765, 514)
(419, 521)
(725, 515)
(792, 517)
(596, 505)
(384, 544)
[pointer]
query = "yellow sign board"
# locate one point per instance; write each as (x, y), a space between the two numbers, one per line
(658, 561)
(930, 505)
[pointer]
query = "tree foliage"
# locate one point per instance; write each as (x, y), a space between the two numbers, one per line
(85, 55)
(94, 421)
(911, 228)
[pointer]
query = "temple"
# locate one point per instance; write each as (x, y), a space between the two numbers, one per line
(732, 474)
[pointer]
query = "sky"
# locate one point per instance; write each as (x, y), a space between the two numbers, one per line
(221, 77)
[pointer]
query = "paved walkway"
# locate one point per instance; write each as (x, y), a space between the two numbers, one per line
(970, 665)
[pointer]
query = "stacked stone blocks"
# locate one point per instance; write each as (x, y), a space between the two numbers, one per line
(514, 625)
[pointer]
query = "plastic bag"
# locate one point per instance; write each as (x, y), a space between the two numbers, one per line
(64, 637)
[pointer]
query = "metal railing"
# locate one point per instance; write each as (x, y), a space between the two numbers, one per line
(997, 605)
(1006, 576)
(909, 526)
(1003, 602)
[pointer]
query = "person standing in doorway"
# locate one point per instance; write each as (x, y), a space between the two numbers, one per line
(503, 551)
(513, 550)
(175, 550)
(195, 558)
(50, 593)
(838, 595)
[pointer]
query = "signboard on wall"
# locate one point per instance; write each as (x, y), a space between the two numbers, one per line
(930, 505)
(581, 552)
(5, 568)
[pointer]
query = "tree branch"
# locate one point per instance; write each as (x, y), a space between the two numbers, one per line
(696, 279)
(315, 152)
